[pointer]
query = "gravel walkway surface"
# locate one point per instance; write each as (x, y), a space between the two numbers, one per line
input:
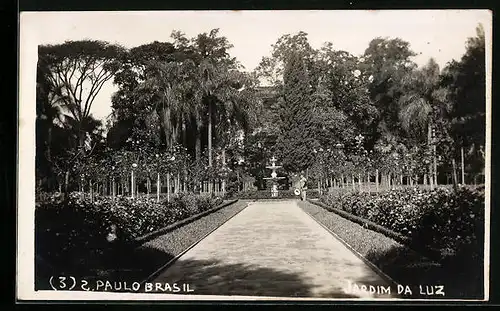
(365, 240)
(180, 239)
(272, 249)
(137, 264)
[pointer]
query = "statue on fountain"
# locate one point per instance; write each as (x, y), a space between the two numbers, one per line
(274, 177)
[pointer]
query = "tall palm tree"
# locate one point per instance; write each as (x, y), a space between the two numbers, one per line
(169, 86)
(423, 103)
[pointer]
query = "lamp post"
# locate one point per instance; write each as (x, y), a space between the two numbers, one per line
(172, 159)
(132, 181)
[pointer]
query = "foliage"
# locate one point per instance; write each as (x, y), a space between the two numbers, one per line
(449, 220)
(87, 225)
(187, 108)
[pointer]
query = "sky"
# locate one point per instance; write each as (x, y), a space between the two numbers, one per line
(440, 34)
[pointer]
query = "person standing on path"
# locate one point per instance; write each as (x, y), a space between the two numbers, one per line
(303, 187)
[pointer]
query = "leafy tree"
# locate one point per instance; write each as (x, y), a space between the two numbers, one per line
(343, 84)
(385, 63)
(272, 69)
(467, 81)
(76, 71)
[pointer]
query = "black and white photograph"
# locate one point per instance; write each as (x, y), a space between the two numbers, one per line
(338, 155)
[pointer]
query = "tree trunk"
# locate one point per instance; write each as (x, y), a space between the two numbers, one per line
(174, 179)
(429, 146)
(376, 180)
(462, 165)
(435, 164)
(168, 187)
(209, 134)
(455, 178)
(91, 191)
(224, 166)
(368, 182)
(184, 136)
(359, 182)
(179, 182)
(198, 146)
(66, 185)
(49, 143)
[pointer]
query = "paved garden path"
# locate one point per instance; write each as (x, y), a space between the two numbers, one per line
(273, 249)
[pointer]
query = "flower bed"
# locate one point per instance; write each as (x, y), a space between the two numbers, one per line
(266, 194)
(445, 219)
(78, 229)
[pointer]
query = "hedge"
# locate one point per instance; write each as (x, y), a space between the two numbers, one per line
(78, 229)
(451, 221)
(266, 194)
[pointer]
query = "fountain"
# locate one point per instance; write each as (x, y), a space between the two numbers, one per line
(274, 177)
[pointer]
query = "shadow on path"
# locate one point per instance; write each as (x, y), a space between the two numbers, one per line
(212, 277)
(205, 277)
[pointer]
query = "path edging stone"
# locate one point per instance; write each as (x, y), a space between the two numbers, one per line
(433, 254)
(173, 260)
(149, 236)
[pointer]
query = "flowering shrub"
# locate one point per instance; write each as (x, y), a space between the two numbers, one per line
(445, 219)
(78, 227)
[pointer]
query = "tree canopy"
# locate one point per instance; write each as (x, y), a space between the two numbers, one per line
(323, 111)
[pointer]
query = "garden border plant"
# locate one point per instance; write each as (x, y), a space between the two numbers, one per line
(180, 223)
(85, 236)
(441, 224)
(428, 252)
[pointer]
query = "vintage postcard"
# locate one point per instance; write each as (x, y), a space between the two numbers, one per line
(254, 155)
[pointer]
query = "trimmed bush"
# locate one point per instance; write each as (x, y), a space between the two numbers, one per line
(76, 229)
(445, 219)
